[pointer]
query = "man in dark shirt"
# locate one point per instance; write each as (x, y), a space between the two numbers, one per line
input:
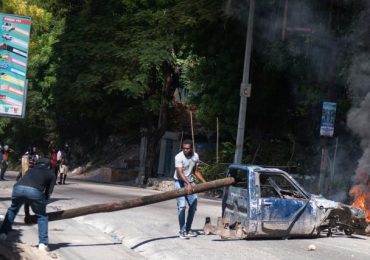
(34, 189)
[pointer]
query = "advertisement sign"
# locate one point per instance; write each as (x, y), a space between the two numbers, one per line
(328, 119)
(14, 41)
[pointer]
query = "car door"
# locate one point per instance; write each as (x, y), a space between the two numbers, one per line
(236, 198)
(283, 208)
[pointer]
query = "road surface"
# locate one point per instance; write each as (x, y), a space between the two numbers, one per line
(151, 232)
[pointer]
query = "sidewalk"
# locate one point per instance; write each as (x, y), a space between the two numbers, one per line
(67, 238)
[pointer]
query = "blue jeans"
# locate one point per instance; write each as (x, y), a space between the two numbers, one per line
(192, 201)
(36, 199)
(4, 166)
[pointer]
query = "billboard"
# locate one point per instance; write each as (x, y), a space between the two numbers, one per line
(328, 119)
(14, 41)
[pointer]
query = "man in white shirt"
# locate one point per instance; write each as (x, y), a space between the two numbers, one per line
(185, 162)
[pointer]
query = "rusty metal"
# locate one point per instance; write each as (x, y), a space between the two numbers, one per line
(267, 202)
(127, 204)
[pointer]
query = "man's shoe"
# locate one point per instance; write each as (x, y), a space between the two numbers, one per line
(59, 182)
(43, 247)
(183, 235)
(3, 236)
(191, 233)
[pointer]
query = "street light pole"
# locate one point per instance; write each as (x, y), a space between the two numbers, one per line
(244, 86)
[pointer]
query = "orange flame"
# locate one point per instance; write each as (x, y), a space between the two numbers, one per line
(361, 191)
(362, 200)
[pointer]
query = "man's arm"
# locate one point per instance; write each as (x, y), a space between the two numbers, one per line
(181, 175)
(199, 175)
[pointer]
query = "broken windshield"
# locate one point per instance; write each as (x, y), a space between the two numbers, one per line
(277, 185)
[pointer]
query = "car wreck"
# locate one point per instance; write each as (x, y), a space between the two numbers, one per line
(268, 202)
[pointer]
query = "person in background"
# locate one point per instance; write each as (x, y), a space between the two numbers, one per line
(1, 153)
(4, 164)
(185, 162)
(33, 156)
(54, 161)
(64, 164)
(28, 160)
(59, 155)
(34, 189)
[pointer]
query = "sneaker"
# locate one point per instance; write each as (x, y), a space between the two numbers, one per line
(191, 233)
(44, 247)
(183, 235)
(3, 236)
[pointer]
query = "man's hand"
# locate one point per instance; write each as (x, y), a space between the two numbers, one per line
(189, 189)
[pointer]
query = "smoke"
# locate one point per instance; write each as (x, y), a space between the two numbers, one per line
(305, 32)
(237, 9)
(359, 80)
(358, 118)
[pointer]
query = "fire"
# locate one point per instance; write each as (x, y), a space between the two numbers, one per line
(362, 200)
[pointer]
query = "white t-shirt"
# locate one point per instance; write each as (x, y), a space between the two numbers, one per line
(187, 165)
(59, 155)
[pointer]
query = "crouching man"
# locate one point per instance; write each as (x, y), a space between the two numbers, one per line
(33, 189)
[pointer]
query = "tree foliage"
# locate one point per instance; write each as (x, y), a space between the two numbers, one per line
(102, 68)
(38, 124)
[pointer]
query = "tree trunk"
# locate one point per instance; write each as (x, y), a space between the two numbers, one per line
(133, 203)
(155, 133)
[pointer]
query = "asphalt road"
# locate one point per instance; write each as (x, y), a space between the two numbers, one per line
(152, 231)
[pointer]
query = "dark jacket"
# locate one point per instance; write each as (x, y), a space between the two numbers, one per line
(39, 177)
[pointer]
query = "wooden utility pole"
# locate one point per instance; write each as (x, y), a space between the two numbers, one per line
(325, 180)
(192, 130)
(127, 204)
(244, 86)
(323, 177)
(285, 19)
(217, 144)
(287, 28)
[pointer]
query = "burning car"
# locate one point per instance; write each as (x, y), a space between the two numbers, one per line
(266, 202)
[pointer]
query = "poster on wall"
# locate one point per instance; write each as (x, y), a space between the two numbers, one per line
(14, 43)
(328, 119)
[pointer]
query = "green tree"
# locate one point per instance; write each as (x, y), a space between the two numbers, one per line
(38, 124)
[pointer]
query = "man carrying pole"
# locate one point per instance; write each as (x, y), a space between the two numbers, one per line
(185, 162)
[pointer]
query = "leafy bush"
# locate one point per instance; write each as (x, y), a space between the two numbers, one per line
(213, 171)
